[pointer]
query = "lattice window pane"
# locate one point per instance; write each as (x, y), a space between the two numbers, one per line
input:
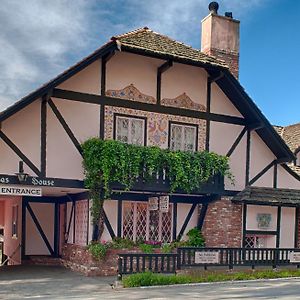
(189, 138)
(122, 130)
(141, 221)
(137, 132)
(176, 137)
(128, 220)
(250, 242)
(166, 226)
(154, 226)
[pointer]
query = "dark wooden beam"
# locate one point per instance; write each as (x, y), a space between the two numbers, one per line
(117, 102)
(56, 229)
(236, 142)
(23, 232)
(263, 232)
(248, 157)
(65, 126)
(21, 155)
(275, 175)
(186, 221)
(174, 230)
(43, 135)
(104, 61)
(102, 122)
(278, 227)
(74, 221)
(120, 213)
(202, 215)
(161, 69)
(40, 229)
(208, 104)
(108, 225)
(262, 172)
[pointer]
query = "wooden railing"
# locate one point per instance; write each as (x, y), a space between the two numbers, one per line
(159, 183)
(131, 263)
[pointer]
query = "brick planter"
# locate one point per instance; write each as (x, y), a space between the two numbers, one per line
(79, 259)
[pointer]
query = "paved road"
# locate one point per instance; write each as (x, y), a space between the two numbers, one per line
(58, 283)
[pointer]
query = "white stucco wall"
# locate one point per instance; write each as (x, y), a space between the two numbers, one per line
(182, 212)
(285, 180)
(287, 227)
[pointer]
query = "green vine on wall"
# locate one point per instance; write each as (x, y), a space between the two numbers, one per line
(109, 161)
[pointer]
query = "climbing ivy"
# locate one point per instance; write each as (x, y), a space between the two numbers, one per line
(109, 161)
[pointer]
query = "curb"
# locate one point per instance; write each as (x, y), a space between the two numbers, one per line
(217, 282)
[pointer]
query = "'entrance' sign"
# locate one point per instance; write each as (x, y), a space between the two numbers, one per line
(206, 257)
(20, 191)
(294, 257)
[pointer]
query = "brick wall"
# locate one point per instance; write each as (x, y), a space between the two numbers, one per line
(223, 224)
(298, 227)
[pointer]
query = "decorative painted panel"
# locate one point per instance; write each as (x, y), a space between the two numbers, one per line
(183, 101)
(157, 125)
(130, 92)
(81, 222)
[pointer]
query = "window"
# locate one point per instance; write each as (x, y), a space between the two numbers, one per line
(183, 137)
(255, 241)
(141, 224)
(130, 130)
(14, 230)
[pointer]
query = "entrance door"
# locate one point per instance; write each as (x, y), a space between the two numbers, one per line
(40, 234)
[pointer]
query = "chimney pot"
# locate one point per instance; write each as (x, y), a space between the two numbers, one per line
(213, 7)
(228, 14)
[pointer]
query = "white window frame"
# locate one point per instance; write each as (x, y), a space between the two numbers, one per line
(183, 126)
(130, 119)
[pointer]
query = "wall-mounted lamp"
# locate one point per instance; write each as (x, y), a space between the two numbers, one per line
(22, 176)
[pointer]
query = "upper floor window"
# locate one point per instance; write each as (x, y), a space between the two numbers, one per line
(183, 137)
(130, 130)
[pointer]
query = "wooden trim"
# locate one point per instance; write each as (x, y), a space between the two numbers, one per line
(262, 172)
(248, 157)
(120, 214)
(19, 153)
(278, 227)
(131, 117)
(202, 215)
(236, 142)
(275, 175)
(56, 228)
(23, 236)
(160, 70)
(174, 229)
(118, 102)
(40, 230)
(108, 225)
(74, 222)
(261, 232)
(43, 135)
(103, 76)
(102, 122)
(186, 221)
(65, 126)
(183, 124)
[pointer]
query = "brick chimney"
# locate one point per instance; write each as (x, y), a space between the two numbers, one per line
(221, 37)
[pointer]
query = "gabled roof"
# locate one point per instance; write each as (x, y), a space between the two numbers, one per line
(156, 43)
(268, 196)
(146, 42)
(291, 135)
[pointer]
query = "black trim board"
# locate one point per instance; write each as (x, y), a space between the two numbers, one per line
(44, 135)
(119, 102)
(236, 142)
(160, 70)
(18, 152)
(65, 126)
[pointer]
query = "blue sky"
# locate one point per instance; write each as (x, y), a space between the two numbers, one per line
(41, 38)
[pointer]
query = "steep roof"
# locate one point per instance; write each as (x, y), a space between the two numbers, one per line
(268, 196)
(291, 135)
(153, 42)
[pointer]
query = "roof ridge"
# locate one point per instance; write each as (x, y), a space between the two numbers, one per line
(137, 30)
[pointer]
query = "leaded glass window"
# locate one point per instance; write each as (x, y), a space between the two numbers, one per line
(183, 137)
(130, 130)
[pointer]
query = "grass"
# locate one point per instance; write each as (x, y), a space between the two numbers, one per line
(151, 279)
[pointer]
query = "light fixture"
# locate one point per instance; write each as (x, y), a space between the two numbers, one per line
(22, 176)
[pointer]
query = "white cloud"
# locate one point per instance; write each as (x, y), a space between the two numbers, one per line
(41, 38)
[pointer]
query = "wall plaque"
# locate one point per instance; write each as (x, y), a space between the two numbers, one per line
(263, 221)
(207, 257)
(294, 257)
(153, 203)
(164, 203)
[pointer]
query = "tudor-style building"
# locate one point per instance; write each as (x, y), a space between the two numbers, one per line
(145, 88)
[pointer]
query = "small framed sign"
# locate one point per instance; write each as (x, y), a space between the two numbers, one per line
(263, 220)
(164, 203)
(153, 203)
(206, 257)
(294, 257)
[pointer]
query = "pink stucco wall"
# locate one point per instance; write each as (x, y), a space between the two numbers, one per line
(1, 213)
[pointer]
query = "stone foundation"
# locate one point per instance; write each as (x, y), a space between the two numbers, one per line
(223, 224)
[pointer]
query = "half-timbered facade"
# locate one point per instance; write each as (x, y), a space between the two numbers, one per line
(145, 88)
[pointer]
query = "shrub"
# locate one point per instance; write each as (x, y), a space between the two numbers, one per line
(195, 238)
(166, 248)
(146, 248)
(98, 250)
(121, 243)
